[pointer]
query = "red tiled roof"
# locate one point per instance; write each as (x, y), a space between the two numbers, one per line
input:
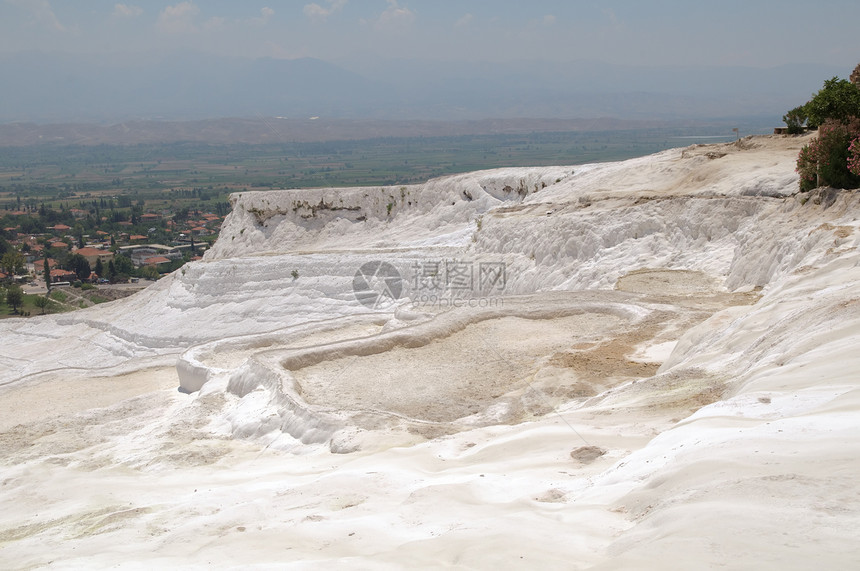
(155, 260)
(60, 227)
(91, 252)
(61, 273)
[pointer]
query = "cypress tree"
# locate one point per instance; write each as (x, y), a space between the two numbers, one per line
(47, 271)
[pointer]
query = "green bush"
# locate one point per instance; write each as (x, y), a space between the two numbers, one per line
(149, 272)
(42, 303)
(839, 99)
(795, 120)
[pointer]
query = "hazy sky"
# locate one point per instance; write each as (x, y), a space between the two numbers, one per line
(756, 33)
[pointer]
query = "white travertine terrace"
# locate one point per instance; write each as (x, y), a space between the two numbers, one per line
(668, 379)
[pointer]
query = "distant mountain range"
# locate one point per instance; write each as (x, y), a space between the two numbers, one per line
(51, 88)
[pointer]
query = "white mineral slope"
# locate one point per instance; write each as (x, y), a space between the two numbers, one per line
(245, 285)
(557, 430)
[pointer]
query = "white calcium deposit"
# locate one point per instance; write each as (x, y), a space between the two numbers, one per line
(664, 376)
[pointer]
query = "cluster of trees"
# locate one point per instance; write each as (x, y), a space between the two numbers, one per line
(117, 270)
(833, 158)
(12, 263)
(121, 268)
(838, 99)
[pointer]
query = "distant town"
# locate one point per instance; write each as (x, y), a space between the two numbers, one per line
(85, 251)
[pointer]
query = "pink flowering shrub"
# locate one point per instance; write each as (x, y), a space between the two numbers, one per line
(807, 165)
(854, 154)
(827, 159)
